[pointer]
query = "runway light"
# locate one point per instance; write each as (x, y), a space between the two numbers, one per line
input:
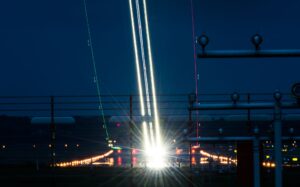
(178, 151)
(193, 160)
(84, 162)
(193, 151)
(116, 148)
(119, 161)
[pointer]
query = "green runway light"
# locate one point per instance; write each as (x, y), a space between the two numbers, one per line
(116, 148)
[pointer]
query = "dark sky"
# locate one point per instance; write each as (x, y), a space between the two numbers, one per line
(44, 47)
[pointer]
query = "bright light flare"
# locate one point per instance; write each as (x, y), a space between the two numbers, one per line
(156, 157)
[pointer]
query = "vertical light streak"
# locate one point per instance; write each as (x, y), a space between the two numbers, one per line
(137, 63)
(158, 138)
(143, 56)
(153, 143)
(154, 151)
(146, 137)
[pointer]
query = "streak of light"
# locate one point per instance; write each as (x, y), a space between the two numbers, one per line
(146, 136)
(152, 135)
(143, 57)
(157, 127)
(154, 151)
(137, 63)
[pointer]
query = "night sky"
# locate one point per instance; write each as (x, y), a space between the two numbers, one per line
(44, 51)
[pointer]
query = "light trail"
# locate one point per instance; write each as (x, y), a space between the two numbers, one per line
(146, 136)
(154, 151)
(143, 56)
(152, 135)
(156, 119)
(137, 63)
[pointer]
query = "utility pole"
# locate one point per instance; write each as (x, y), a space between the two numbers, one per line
(53, 132)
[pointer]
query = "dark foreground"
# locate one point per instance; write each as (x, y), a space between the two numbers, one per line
(102, 177)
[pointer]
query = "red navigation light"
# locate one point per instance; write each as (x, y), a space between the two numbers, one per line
(119, 151)
(119, 161)
(134, 151)
(134, 160)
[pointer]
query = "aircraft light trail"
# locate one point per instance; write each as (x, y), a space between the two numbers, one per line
(153, 148)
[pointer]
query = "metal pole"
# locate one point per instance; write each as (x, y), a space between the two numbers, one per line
(241, 106)
(255, 144)
(278, 144)
(249, 53)
(53, 133)
(131, 132)
(248, 113)
(190, 129)
(234, 138)
(256, 163)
